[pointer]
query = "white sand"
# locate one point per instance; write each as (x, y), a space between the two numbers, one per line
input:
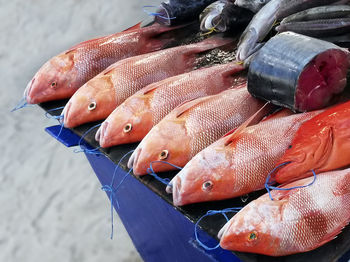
(51, 205)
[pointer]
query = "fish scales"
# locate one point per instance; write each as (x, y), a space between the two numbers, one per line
(238, 166)
(62, 75)
(191, 127)
(178, 90)
(295, 221)
(151, 104)
(110, 88)
(206, 122)
(144, 71)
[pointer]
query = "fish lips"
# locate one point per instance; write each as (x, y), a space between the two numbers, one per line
(102, 135)
(175, 188)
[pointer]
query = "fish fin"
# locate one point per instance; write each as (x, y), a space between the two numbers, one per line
(110, 68)
(230, 132)
(82, 44)
(343, 187)
(234, 68)
(157, 29)
(326, 135)
(248, 122)
(206, 45)
(187, 105)
(134, 27)
(283, 112)
(149, 88)
(329, 237)
(297, 183)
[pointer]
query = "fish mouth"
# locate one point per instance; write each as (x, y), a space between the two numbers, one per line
(101, 134)
(134, 158)
(27, 92)
(176, 188)
(223, 230)
(98, 134)
(169, 188)
(65, 113)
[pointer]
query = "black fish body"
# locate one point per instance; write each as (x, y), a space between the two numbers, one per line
(318, 28)
(179, 11)
(298, 72)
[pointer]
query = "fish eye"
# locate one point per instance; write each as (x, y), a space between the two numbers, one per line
(252, 236)
(127, 128)
(208, 185)
(164, 154)
(290, 146)
(54, 84)
(92, 106)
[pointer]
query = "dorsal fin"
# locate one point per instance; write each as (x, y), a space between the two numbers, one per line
(134, 27)
(73, 48)
(185, 106)
(343, 184)
(150, 88)
(239, 130)
(109, 69)
(230, 132)
(278, 114)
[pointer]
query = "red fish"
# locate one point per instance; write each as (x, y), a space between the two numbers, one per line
(191, 127)
(321, 144)
(238, 163)
(102, 94)
(131, 121)
(297, 220)
(61, 76)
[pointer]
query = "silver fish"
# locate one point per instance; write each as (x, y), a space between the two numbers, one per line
(317, 13)
(264, 20)
(252, 5)
(318, 28)
(210, 17)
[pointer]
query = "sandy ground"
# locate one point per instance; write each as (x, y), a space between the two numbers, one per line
(52, 208)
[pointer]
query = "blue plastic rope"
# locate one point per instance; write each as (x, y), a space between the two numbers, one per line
(94, 151)
(291, 188)
(112, 191)
(212, 213)
(61, 129)
(151, 172)
(47, 114)
(155, 14)
(268, 183)
(21, 104)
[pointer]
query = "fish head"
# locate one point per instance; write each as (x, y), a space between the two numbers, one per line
(257, 228)
(129, 123)
(248, 44)
(160, 145)
(203, 178)
(300, 158)
(92, 102)
(55, 80)
(210, 18)
(252, 5)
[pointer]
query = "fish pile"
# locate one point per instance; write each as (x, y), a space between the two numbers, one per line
(267, 111)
